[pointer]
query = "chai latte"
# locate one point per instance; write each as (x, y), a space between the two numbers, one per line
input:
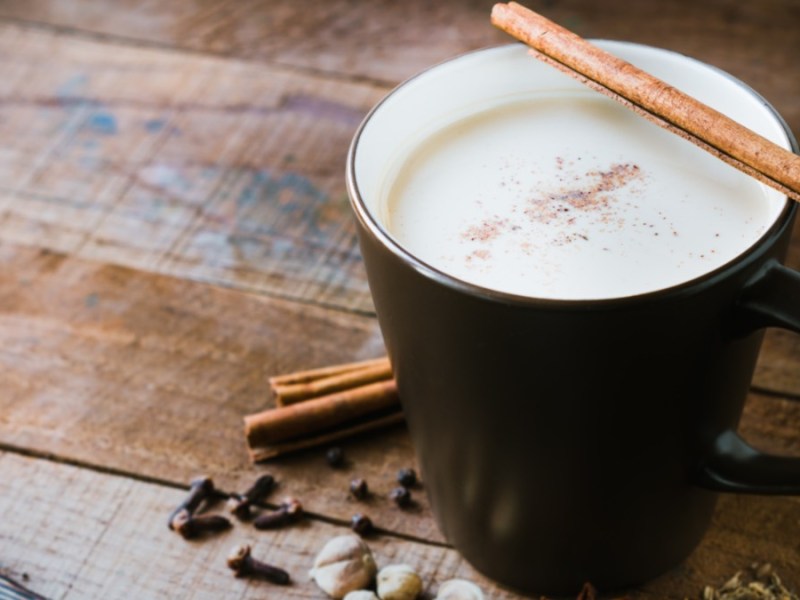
(570, 197)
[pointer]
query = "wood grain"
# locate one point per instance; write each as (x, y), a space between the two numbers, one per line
(388, 41)
(96, 536)
(174, 230)
(149, 374)
(104, 536)
(198, 167)
(110, 160)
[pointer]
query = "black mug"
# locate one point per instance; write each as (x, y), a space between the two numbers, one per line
(577, 440)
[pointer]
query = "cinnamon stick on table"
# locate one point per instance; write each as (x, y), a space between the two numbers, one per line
(281, 424)
(652, 98)
(289, 393)
(321, 372)
(344, 400)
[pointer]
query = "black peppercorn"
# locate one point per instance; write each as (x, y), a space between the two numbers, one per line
(361, 524)
(400, 496)
(407, 477)
(335, 456)
(359, 489)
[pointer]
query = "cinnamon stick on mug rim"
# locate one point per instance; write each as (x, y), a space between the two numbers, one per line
(652, 98)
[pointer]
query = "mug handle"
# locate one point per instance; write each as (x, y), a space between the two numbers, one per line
(771, 299)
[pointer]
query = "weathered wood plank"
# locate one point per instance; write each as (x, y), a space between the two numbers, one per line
(89, 535)
(77, 533)
(233, 175)
(388, 41)
(204, 168)
(152, 375)
(148, 374)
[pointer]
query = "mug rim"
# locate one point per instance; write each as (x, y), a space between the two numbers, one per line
(375, 228)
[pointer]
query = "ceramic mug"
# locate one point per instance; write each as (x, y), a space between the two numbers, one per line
(565, 441)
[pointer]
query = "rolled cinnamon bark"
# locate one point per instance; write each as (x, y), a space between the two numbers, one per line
(321, 372)
(652, 98)
(286, 394)
(319, 414)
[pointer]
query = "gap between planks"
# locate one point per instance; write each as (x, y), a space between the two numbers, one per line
(106, 470)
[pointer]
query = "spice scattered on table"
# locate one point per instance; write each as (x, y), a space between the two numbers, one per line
(290, 511)
(407, 477)
(398, 582)
(759, 582)
(459, 589)
(191, 527)
(359, 489)
(336, 402)
(401, 496)
(361, 524)
(200, 490)
(243, 564)
(344, 564)
(334, 457)
(184, 519)
(241, 504)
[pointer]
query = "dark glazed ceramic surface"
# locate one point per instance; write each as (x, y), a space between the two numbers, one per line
(565, 442)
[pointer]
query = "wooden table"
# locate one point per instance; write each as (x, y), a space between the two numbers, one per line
(174, 229)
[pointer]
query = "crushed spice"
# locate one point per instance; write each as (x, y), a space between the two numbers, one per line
(759, 582)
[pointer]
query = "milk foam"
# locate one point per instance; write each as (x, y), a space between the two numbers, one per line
(571, 197)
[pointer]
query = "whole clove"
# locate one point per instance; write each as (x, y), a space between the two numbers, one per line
(243, 564)
(241, 504)
(200, 490)
(190, 526)
(290, 511)
(183, 520)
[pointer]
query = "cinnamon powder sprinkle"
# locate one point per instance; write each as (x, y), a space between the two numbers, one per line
(586, 198)
(591, 193)
(485, 231)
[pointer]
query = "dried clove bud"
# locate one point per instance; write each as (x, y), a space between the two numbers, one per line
(334, 456)
(401, 496)
(191, 527)
(359, 489)
(200, 490)
(290, 511)
(407, 477)
(344, 564)
(243, 564)
(240, 504)
(361, 524)
(398, 582)
(459, 589)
